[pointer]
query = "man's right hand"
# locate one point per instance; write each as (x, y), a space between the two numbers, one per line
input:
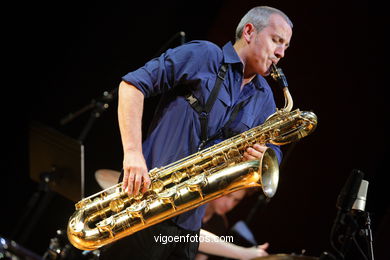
(135, 173)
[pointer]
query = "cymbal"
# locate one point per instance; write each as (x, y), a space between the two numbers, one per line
(106, 178)
(286, 257)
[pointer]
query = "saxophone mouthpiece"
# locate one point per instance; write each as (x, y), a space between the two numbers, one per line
(278, 75)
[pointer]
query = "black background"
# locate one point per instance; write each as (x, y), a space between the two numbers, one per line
(61, 56)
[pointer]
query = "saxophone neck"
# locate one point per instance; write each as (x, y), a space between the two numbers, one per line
(287, 100)
(278, 75)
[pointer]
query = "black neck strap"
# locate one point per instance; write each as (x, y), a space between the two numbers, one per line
(204, 111)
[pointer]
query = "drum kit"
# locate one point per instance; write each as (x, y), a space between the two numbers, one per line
(106, 178)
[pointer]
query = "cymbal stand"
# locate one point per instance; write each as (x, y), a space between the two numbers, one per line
(35, 207)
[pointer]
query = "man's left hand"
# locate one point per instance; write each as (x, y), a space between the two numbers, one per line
(254, 152)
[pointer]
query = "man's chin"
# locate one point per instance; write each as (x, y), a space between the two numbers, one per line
(266, 73)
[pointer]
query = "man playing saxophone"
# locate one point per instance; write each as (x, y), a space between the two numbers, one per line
(192, 116)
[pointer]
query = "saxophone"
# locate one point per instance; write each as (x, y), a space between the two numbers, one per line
(112, 214)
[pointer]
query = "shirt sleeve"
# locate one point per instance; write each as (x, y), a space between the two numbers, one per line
(181, 64)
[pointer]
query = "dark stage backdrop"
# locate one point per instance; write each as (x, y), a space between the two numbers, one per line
(65, 55)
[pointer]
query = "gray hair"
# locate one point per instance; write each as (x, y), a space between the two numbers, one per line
(259, 16)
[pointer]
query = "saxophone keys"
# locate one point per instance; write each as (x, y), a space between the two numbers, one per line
(138, 196)
(82, 203)
(136, 210)
(217, 160)
(137, 206)
(275, 133)
(168, 197)
(232, 153)
(137, 214)
(196, 180)
(195, 184)
(106, 226)
(168, 193)
(196, 170)
(157, 186)
(153, 173)
(178, 176)
(117, 205)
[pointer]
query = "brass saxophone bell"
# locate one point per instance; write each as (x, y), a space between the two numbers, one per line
(269, 173)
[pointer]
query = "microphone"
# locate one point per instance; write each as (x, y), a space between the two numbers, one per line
(349, 192)
(363, 220)
(180, 34)
(360, 202)
(182, 37)
(343, 221)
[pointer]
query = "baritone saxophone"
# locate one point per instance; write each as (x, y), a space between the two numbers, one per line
(112, 214)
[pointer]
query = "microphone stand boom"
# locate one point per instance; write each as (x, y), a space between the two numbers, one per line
(98, 106)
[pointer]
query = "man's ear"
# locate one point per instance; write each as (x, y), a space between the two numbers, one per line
(249, 32)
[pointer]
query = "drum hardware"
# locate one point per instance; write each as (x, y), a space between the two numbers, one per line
(106, 178)
(56, 163)
(60, 249)
(286, 257)
(9, 249)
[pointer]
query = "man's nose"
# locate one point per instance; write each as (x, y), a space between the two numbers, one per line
(279, 52)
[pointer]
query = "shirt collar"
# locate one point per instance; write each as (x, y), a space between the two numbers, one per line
(230, 56)
(259, 81)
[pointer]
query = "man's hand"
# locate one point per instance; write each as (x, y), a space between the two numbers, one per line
(255, 152)
(135, 173)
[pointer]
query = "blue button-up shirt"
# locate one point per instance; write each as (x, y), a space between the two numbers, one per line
(175, 130)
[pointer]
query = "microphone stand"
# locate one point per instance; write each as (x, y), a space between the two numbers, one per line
(261, 202)
(367, 232)
(98, 106)
(180, 34)
(355, 223)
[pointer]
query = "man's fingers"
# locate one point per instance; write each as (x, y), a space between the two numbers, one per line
(137, 183)
(130, 182)
(146, 183)
(135, 180)
(252, 154)
(248, 157)
(125, 179)
(134, 171)
(255, 152)
(259, 147)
